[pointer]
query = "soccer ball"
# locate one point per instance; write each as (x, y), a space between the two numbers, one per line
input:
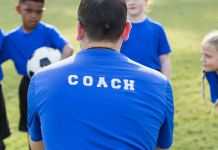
(42, 57)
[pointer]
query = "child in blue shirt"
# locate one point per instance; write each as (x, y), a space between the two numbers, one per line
(21, 43)
(209, 50)
(147, 43)
(4, 127)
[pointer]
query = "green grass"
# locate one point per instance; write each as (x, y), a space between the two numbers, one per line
(185, 21)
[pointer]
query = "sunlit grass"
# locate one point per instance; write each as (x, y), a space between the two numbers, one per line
(185, 22)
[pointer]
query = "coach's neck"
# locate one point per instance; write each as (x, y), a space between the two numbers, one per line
(109, 45)
(85, 43)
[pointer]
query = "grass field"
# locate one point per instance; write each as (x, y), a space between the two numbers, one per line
(185, 22)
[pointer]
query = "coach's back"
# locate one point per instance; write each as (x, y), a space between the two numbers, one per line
(99, 99)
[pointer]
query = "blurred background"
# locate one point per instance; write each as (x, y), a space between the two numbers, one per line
(186, 22)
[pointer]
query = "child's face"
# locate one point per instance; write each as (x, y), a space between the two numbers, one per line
(135, 7)
(209, 57)
(31, 13)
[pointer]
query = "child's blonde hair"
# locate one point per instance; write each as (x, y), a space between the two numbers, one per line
(211, 38)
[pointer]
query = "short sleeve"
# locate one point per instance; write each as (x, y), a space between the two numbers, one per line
(57, 39)
(34, 126)
(5, 50)
(163, 46)
(165, 137)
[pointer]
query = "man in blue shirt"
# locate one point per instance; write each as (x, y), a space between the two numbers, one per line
(4, 127)
(99, 99)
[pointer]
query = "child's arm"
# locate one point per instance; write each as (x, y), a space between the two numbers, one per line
(67, 51)
(61, 42)
(37, 145)
(163, 52)
(165, 65)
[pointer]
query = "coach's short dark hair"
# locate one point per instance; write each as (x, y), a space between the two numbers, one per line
(103, 20)
(22, 1)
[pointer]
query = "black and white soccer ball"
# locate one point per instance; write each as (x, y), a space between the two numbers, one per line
(42, 57)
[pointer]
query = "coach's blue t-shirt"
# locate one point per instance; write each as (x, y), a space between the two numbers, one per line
(1, 42)
(147, 41)
(101, 100)
(20, 46)
(213, 82)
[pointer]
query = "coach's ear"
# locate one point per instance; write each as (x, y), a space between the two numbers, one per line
(80, 31)
(125, 35)
(17, 8)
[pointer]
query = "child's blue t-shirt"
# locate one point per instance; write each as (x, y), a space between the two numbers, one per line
(147, 41)
(1, 42)
(213, 82)
(20, 46)
(100, 100)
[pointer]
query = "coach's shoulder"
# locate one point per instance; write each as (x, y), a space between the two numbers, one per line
(154, 82)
